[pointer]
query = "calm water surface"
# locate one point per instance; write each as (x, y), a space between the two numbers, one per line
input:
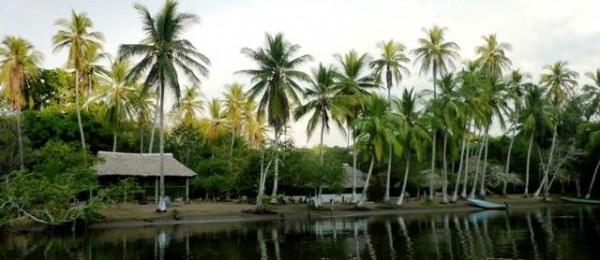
(546, 233)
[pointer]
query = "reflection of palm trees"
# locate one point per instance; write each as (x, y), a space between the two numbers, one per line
(388, 229)
(434, 238)
(532, 239)
(262, 246)
(409, 244)
(448, 234)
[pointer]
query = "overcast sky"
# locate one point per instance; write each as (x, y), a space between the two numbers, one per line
(540, 32)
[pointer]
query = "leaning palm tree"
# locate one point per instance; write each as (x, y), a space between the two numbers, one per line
(592, 133)
(438, 56)
(325, 103)
(76, 35)
(163, 52)
(515, 93)
(560, 81)
(413, 134)
(593, 91)
(492, 56)
(373, 133)
(189, 107)
(537, 116)
(355, 79)
(392, 61)
(19, 64)
(117, 96)
(276, 82)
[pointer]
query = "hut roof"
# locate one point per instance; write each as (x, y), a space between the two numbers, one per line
(349, 181)
(143, 165)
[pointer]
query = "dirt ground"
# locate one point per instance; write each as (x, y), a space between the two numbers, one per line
(129, 214)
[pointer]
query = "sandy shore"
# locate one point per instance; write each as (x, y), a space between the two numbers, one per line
(134, 215)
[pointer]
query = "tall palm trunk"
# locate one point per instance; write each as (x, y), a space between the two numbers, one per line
(587, 196)
(485, 157)
(386, 197)
(161, 204)
(406, 170)
(354, 162)
(445, 171)
(460, 167)
(141, 138)
(20, 138)
(154, 124)
(507, 167)
(78, 109)
(475, 178)
(544, 183)
(526, 193)
(363, 197)
(320, 191)
(432, 165)
(276, 175)
(114, 141)
(467, 161)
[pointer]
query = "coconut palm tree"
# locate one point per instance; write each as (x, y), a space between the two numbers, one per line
(143, 105)
(354, 79)
(164, 53)
(412, 135)
(234, 102)
(92, 69)
(116, 96)
(19, 64)
(592, 132)
(537, 116)
(254, 124)
(515, 93)
(593, 90)
(492, 56)
(77, 36)
(373, 133)
(189, 107)
(560, 81)
(392, 60)
(214, 126)
(325, 103)
(276, 81)
(437, 55)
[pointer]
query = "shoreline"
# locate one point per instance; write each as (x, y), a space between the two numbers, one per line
(230, 212)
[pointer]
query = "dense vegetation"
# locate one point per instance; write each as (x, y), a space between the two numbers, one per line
(428, 141)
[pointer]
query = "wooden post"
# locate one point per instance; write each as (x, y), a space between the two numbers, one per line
(187, 190)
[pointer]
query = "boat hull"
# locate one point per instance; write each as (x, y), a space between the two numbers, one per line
(486, 204)
(581, 201)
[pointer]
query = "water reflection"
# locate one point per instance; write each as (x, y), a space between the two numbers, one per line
(544, 233)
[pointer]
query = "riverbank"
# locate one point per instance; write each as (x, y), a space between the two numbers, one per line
(134, 215)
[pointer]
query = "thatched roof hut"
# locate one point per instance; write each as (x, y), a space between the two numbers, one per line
(349, 180)
(140, 165)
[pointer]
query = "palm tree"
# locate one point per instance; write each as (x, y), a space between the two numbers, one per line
(593, 90)
(392, 61)
(234, 100)
(412, 133)
(326, 103)
(437, 55)
(19, 64)
(276, 82)
(354, 79)
(515, 93)
(560, 81)
(537, 116)
(142, 102)
(76, 35)
(189, 107)
(215, 125)
(254, 124)
(373, 133)
(164, 52)
(592, 133)
(92, 70)
(117, 97)
(492, 56)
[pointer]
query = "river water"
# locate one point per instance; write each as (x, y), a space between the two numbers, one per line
(541, 233)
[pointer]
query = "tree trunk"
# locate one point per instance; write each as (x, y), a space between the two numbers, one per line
(460, 167)
(445, 171)
(354, 160)
(432, 174)
(507, 167)
(141, 138)
(20, 139)
(472, 194)
(154, 124)
(485, 157)
(276, 175)
(233, 132)
(544, 183)
(526, 193)
(589, 193)
(407, 169)
(162, 205)
(78, 109)
(363, 197)
(114, 142)
(463, 194)
(386, 197)
(319, 198)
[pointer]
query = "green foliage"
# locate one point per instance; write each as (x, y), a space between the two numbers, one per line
(49, 193)
(124, 191)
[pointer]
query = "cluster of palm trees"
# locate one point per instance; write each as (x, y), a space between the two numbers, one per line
(452, 121)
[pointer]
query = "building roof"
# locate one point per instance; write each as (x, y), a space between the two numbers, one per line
(360, 177)
(143, 165)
